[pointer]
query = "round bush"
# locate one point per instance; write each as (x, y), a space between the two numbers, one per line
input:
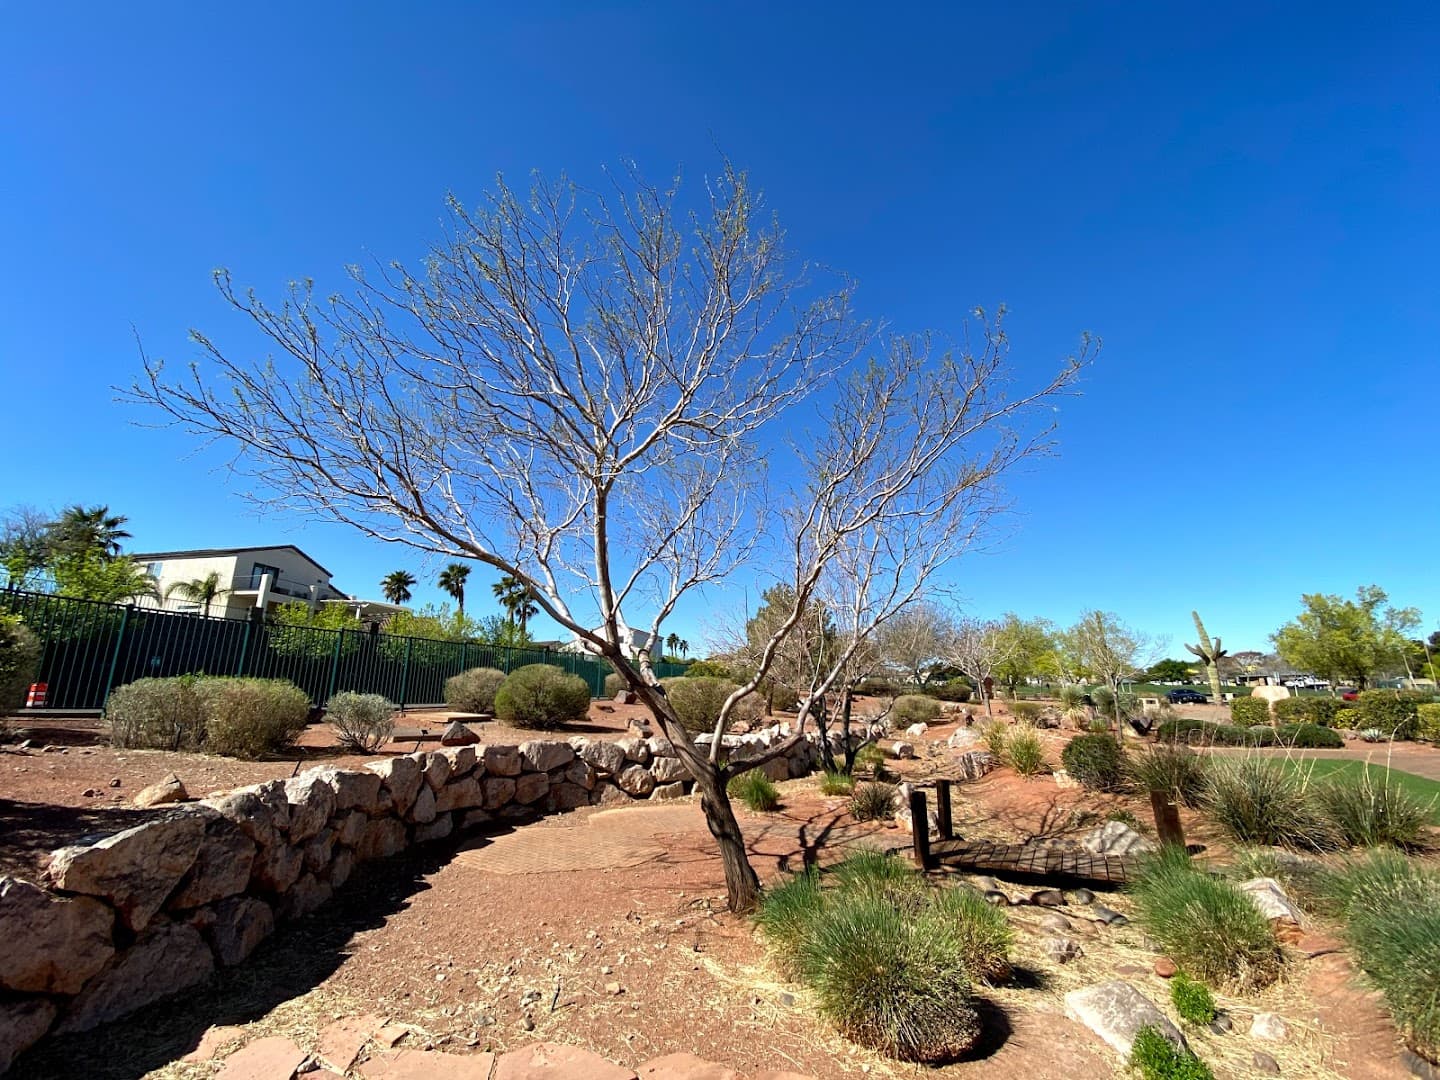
(1249, 711)
(540, 697)
(1262, 801)
(709, 668)
(614, 684)
(1096, 761)
(956, 690)
(1392, 711)
(1309, 737)
(19, 654)
(473, 691)
(914, 709)
(250, 718)
(697, 702)
(364, 722)
(873, 802)
(156, 714)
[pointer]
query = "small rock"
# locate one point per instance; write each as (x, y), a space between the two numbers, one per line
(1116, 1012)
(787, 999)
(1062, 949)
(902, 750)
(1270, 899)
(985, 883)
(1222, 1024)
(1048, 898)
(1269, 1026)
(1264, 1063)
(271, 1057)
(917, 731)
(457, 734)
(90, 793)
(169, 790)
(1109, 916)
(1063, 779)
(527, 1022)
(1080, 896)
(1165, 967)
(1055, 923)
(614, 989)
(996, 897)
(1116, 838)
(115, 781)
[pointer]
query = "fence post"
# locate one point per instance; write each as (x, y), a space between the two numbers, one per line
(244, 651)
(334, 667)
(115, 656)
(405, 673)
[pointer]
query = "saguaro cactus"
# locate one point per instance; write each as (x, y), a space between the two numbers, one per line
(1209, 655)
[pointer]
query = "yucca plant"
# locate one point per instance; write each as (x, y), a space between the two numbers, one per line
(874, 801)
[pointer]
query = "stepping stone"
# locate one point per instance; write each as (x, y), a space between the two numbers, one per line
(684, 1067)
(271, 1058)
(212, 1042)
(427, 1065)
(552, 1061)
(1116, 1011)
(341, 1042)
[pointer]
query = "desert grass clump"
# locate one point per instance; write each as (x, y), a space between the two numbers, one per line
(1155, 1057)
(1024, 752)
(870, 761)
(1176, 772)
(1262, 801)
(915, 709)
(755, 790)
(785, 913)
(836, 783)
(997, 738)
(1367, 812)
(1192, 1000)
(983, 930)
(873, 801)
(1208, 926)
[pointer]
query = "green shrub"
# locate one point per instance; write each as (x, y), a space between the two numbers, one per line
(1174, 771)
(1104, 699)
(714, 669)
(1025, 753)
(1309, 737)
(914, 709)
(364, 722)
(540, 697)
(614, 684)
(1192, 1000)
(250, 718)
(1195, 732)
(876, 688)
(1155, 1057)
(1390, 909)
(997, 738)
(1207, 925)
(697, 702)
(785, 913)
(156, 714)
(1095, 761)
(1262, 801)
(890, 982)
(1392, 711)
(1071, 697)
(870, 761)
(778, 697)
(1249, 711)
(19, 655)
(836, 783)
(1427, 721)
(982, 929)
(1027, 712)
(1367, 812)
(1311, 709)
(956, 690)
(867, 872)
(873, 802)
(755, 790)
(473, 691)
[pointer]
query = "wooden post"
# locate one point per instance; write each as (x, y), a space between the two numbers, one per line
(1167, 819)
(942, 809)
(920, 830)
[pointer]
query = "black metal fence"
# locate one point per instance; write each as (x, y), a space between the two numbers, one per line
(92, 647)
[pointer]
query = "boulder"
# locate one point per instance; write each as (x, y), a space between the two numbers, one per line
(436, 770)
(319, 851)
(475, 819)
(312, 801)
(902, 750)
(355, 789)
(1062, 949)
(222, 867)
(1116, 838)
(350, 828)
(250, 814)
(579, 773)
(1268, 1026)
(501, 760)
(659, 746)
(667, 770)
(241, 923)
(400, 776)
(497, 791)
(606, 757)
(568, 796)
(422, 811)
(165, 959)
(22, 1025)
(531, 787)
(136, 869)
(776, 769)
(339, 870)
(1116, 1012)
(1270, 694)
(383, 837)
(1269, 896)
(438, 829)
(457, 734)
(636, 750)
(169, 790)
(625, 697)
(459, 795)
(917, 731)
(276, 868)
(973, 764)
(52, 944)
(669, 791)
(306, 895)
(463, 760)
(537, 756)
(636, 780)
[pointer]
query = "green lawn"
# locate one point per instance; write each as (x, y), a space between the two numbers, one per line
(1426, 791)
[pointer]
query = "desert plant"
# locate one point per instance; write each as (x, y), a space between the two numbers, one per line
(890, 982)
(249, 718)
(1312, 709)
(1261, 801)
(156, 714)
(981, 928)
(473, 691)
(873, 802)
(1208, 926)
(1249, 711)
(19, 655)
(836, 783)
(956, 690)
(1024, 751)
(540, 697)
(997, 738)
(1208, 733)
(1104, 699)
(914, 709)
(1427, 721)
(363, 722)
(755, 790)
(1308, 736)
(1367, 812)
(614, 684)
(870, 761)
(1095, 761)
(1372, 735)
(1392, 711)
(1027, 712)
(1192, 1000)
(1173, 771)
(867, 872)
(786, 911)
(697, 702)
(1155, 1057)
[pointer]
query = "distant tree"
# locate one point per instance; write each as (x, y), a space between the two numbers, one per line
(916, 642)
(1027, 645)
(1248, 662)
(1168, 670)
(87, 531)
(1111, 651)
(452, 580)
(1346, 640)
(396, 586)
(980, 647)
(24, 545)
(109, 580)
(518, 600)
(202, 590)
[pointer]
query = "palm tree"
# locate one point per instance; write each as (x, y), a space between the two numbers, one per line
(452, 580)
(88, 530)
(682, 647)
(202, 590)
(517, 600)
(672, 644)
(396, 586)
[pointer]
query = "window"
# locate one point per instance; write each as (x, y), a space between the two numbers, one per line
(260, 571)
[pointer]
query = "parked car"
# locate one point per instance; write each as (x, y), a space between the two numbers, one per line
(1348, 693)
(1183, 695)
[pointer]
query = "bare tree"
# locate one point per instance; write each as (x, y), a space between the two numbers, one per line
(1101, 644)
(579, 391)
(979, 647)
(917, 641)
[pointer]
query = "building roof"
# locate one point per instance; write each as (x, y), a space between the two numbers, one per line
(206, 553)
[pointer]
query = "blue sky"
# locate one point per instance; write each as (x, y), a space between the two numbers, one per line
(1240, 198)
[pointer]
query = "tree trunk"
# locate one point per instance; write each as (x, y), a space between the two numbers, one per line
(742, 887)
(846, 743)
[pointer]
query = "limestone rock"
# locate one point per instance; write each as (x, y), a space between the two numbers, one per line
(222, 867)
(422, 811)
(306, 895)
(497, 790)
(459, 795)
(1116, 1011)
(51, 944)
(973, 764)
(350, 828)
(659, 746)
(457, 734)
(241, 923)
(320, 851)
(249, 813)
(436, 770)
(400, 776)
(1268, 1026)
(544, 1060)
(165, 959)
(355, 789)
(276, 868)
(312, 801)
(902, 750)
(963, 739)
(1116, 838)
(532, 787)
(168, 790)
(568, 796)
(636, 780)
(636, 750)
(463, 760)
(438, 829)
(22, 1025)
(1062, 949)
(606, 757)
(1269, 896)
(501, 760)
(581, 774)
(136, 869)
(674, 790)
(383, 837)
(918, 730)
(538, 756)
(340, 868)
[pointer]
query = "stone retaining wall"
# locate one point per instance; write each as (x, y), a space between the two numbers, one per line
(150, 911)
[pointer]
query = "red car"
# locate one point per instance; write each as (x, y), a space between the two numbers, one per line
(1348, 693)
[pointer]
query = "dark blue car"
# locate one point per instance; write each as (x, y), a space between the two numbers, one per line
(1183, 695)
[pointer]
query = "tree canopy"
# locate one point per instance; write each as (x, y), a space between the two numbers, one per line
(1347, 640)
